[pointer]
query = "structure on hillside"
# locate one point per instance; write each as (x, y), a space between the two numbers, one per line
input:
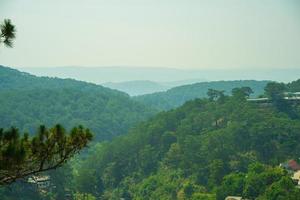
(293, 168)
(40, 183)
(289, 96)
(296, 178)
(290, 166)
(233, 198)
(292, 94)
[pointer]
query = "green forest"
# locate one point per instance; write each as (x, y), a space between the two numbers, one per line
(28, 101)
(209, 148)
(177, 96)
(149, 100)
(194, 151)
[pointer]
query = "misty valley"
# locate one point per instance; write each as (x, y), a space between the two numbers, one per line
(149, 100)
(208, 140)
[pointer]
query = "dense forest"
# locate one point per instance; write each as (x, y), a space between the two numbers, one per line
(209, 148)
(150, 100)
(193, 152)
(28, 101)
(177, 96)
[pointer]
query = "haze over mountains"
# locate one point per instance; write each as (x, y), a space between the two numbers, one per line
(162, 74)
(138, 87)
(157, 96)
(150, 100)
(93, 105)
(141, 87)
(195, 143)
(146, 80)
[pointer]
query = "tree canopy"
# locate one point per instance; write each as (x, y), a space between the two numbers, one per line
(28, 101)
(21, 156)
(208, 148)
(7, 33)
(191, 151)
(177, 96)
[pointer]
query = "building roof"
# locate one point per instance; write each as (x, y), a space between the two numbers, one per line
(296, 175)
(293, 165)
(37, 179)
(233, 198)
(258, 99)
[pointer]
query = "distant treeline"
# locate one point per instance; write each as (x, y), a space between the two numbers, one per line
(177, 96)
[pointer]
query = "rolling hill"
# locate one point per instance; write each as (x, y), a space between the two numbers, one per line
(28, 101)
(177, 96)
(205, 149)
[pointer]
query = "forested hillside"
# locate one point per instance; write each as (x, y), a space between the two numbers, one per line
(28, 101)
(185, 154)
(206, 149)
(179, 95)
(150, 100)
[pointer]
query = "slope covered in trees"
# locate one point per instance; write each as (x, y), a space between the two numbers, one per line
(28, 101)
(205, 149)
(22, 156)
(186, 153)
(179, 95)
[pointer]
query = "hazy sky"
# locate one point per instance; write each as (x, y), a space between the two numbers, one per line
(197, 34)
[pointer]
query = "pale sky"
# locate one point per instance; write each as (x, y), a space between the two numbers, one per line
(198, 34)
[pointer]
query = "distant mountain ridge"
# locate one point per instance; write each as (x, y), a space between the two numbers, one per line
(177, 96)
(141, 87)
(100, 75)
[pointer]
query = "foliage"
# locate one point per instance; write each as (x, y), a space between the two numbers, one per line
(243, 92)
(214, 95)
(7, 33)
(260, 182)
(275, 90)
(205, 149)
(185, 153)
(49, 149)
(293, 86)
(177, 96)
(28, 101)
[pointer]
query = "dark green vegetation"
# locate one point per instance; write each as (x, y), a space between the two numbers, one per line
(293, 86)
(206, 149)
(7, 33)
(186, 153)
(21, 156)
(259, 182)
(179, 95)
(28, 101)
